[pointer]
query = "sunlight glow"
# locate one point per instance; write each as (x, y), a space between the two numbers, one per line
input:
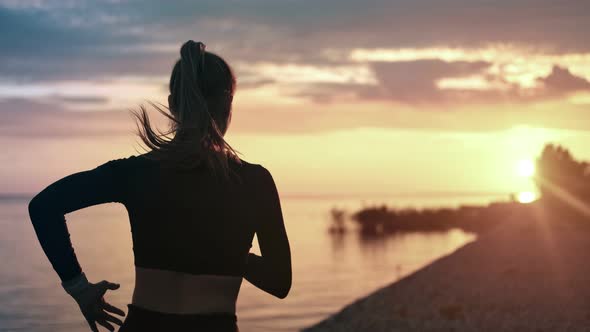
(526, 197)
(525, 168)
(297, 73)
(475, 82)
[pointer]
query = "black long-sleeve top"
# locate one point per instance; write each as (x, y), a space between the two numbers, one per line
(181, 220)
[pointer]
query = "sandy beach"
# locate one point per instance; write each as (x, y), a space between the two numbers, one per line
(530, 273)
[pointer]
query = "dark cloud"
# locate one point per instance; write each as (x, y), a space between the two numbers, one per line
(28, 118)
(410, 82)
(386, 23)
(79, 99)
(562, 81)
(33, 118)
(415, 83)
(34, 33)
(37, 44)
(98, 40)
(64, 39)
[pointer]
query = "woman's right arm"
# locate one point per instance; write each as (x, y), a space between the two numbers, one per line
(271, 271)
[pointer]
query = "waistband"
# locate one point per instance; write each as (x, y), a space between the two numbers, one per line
(141, 319)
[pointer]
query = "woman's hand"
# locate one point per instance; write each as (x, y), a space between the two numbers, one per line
(90, 299)
(94, 307)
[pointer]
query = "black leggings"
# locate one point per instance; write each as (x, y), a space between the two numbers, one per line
(143, 320)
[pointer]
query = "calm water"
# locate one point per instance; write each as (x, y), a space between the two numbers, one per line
(329, 271)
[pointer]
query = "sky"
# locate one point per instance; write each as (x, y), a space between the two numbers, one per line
(333, 96)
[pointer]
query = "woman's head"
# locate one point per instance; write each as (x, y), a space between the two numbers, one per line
(201, 86)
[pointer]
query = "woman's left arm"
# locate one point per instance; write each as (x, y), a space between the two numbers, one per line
(103, 184)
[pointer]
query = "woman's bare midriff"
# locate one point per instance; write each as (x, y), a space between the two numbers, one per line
(184, 293)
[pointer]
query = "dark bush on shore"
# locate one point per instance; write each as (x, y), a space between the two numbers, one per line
(376, 220)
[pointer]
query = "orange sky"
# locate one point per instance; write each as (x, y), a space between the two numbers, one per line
(404, 100)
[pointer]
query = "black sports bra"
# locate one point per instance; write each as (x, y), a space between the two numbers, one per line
(184, 221)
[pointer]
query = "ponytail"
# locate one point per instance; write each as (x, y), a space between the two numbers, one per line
(201, 93)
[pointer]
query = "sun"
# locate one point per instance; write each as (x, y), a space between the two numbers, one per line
(525, 168)
(526, 197)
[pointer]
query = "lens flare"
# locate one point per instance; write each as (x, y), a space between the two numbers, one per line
(526, 197)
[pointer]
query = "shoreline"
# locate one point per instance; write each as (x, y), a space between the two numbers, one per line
(528, 273)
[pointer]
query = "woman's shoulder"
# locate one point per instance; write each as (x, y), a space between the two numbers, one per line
(258, 175)
(252, 167)
(128, 162)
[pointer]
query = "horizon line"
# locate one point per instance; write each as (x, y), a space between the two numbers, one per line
(434, 193)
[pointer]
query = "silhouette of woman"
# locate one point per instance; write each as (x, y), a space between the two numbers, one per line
(193, 205)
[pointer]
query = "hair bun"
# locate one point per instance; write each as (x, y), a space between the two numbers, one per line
(201, 53)
(193, 54)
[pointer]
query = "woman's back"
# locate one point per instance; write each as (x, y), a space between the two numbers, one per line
(191, 232)
(192, 228)
(188, 221)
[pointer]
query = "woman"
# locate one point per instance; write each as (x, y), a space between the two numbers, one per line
(194, 208)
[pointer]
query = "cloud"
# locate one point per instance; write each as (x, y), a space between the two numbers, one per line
(57, 38)
(385, 23)
(296, 48)
(562, 81)
(253, 83)
(98, 40)
(415, 81)
(408, 82)
(440, 84)
(32, 118)
(80, 99)
(38, 44)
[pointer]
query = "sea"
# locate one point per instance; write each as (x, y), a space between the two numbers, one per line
(330, 270)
